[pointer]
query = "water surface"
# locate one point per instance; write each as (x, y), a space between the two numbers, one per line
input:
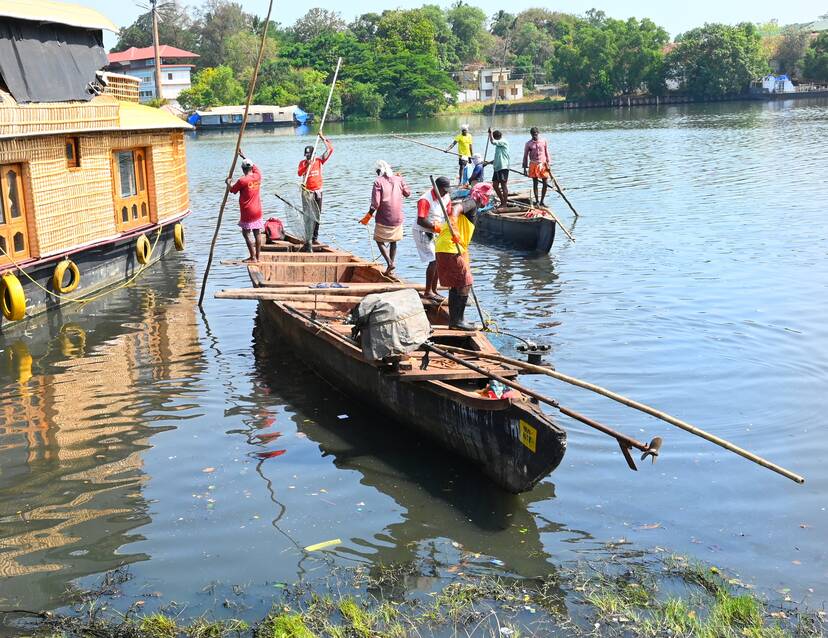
(131, 427)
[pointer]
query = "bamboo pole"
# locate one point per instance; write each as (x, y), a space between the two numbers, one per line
(250, 91)
(687, 427)
(551, 214)
(497, 88)
(322, 123)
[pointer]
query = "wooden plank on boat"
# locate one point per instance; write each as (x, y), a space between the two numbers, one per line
(367, 288)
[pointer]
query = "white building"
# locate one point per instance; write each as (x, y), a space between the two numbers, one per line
(140, 63)
(491, 80)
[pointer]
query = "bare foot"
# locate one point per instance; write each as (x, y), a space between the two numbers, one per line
(250, 260)
(390, 270)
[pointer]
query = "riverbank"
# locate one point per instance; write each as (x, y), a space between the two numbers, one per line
(618, 592)
(531, 104)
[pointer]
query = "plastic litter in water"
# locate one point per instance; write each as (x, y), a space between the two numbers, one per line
(323, 545)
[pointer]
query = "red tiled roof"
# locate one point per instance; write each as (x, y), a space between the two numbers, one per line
(147, 53)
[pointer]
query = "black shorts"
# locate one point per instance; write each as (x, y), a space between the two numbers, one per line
(463, 161)
(501, 176)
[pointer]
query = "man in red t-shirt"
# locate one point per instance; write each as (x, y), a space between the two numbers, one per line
(313, 181)
(250, 205)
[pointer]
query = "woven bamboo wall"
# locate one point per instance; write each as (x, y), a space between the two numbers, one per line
(122, 87)
(69, 207)
(40, 118)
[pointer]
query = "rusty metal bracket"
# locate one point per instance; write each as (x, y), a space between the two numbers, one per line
(625, 450)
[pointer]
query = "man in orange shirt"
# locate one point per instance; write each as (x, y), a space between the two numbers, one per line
(312, 185)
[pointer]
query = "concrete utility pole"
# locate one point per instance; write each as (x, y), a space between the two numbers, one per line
(158, 94)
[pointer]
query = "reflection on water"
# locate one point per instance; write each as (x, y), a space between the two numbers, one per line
(76, 414)
(196, 449)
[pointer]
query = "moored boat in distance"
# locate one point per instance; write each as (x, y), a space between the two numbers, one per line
(94, 185)
(258, 116)
(306, 300)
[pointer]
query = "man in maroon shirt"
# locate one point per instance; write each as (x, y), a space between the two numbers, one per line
(250, 206)
(387, 203)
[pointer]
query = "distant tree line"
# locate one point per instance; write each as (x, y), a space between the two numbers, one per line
(407, 63)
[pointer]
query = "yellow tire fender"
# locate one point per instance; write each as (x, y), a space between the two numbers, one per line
(143, 250)
(60, 273)
(178, 236)
(12, 298)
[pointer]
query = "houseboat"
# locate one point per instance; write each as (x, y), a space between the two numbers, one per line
(93, 184)
(259, 116)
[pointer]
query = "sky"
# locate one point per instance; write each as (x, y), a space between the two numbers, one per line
(676, 17)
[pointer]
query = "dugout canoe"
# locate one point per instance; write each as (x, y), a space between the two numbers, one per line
(520, 226)
(509, 439)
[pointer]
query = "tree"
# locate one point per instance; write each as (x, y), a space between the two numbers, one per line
(241, 51)
(718, 59)
(364, 28)
(791, 48)
(317, 22)
(212, 87)
(468, 24)
(411, 84)
(411, 31)
(174, 29)
(501, 23)
(360, 99)
(217, 21)
(815, 65)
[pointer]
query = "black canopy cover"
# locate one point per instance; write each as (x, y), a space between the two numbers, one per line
(49, 62)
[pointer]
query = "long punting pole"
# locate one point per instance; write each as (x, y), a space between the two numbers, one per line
(250, 91)
(158, 94)
(322, 121)
(497, 87)
(692, 429)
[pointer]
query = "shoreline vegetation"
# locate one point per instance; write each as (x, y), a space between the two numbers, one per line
(413, 63)
(617, 592)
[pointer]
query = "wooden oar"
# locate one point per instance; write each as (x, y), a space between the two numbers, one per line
(250, 90)
(692, 429)
(560, 191)
(457, 246)
(626, 442)
(322, 122)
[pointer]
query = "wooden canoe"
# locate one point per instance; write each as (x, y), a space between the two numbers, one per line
(510, 439)
(519, 226)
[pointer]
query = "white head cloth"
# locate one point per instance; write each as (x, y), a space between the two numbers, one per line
(384, 168)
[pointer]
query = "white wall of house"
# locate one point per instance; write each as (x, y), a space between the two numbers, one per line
(174, 79)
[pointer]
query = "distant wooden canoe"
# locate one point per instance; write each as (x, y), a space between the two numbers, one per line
(520, 226)
(510, 440)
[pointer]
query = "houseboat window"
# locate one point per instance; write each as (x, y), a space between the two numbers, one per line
(72, 155)
(169, 76)
(12, 195)
(13, 230)
(126, 170)
(140, 157)
(132, 202)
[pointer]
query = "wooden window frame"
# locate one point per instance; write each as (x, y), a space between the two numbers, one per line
(139, 209)
(75, 161)
(10, 226)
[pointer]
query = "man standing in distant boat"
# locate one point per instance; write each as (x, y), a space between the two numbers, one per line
(387, 201)
(250, 206)
(536, 163)
(312, 186)
(430, 220)
(464, 149)
(500, 179)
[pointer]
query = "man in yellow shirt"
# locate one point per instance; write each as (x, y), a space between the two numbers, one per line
(452, 250)
(464, 148)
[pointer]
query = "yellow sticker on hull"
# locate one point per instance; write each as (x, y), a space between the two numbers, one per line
(528, 436)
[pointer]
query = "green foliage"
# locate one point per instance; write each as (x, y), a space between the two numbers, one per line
(815, 64)
(604, 57)
(361, 99)
(212, 87)
(718, 59)
(791, 48)
(468, 25)
(317, 22)
(175, 28)
(217, 21)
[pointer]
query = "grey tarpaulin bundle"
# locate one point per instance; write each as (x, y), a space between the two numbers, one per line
(390, 324)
